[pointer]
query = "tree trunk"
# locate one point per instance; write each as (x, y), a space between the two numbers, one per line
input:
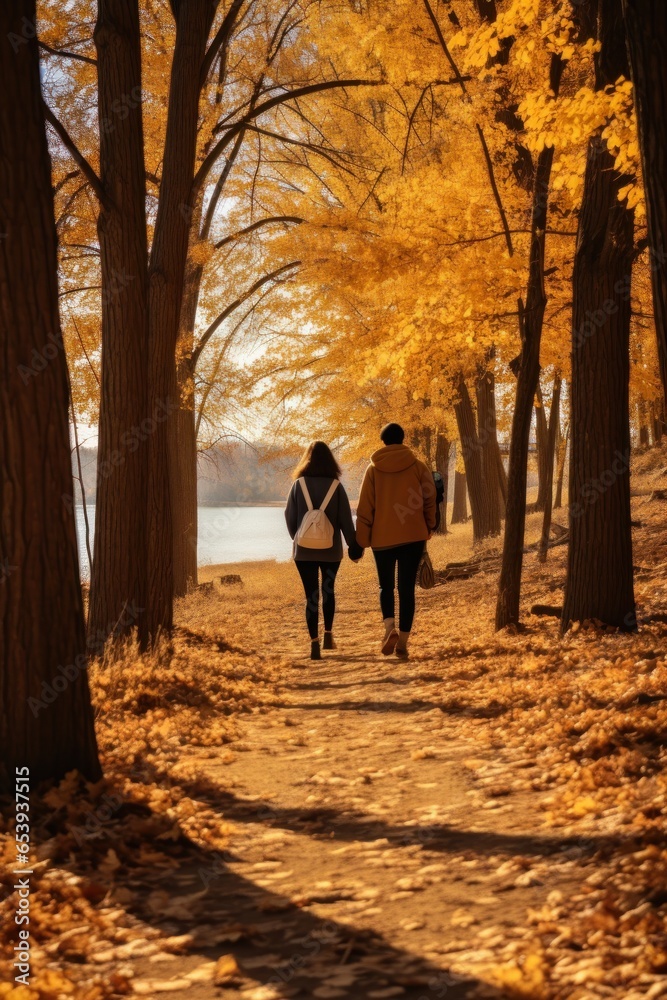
(554, 420)
(502, 481)
(118, 579)
(442, 449)
(185, 456)
(599, 582)
(488, 443)
(562, 453)
(46, 718)
(643, 426)
(460, 506)
(166, 279)
(646, 28)
(541, 441)
(531, 320)
(471, 451)
(657, 409)
(185, 485)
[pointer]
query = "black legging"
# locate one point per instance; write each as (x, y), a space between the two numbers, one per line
(309, 573)
(407, 557)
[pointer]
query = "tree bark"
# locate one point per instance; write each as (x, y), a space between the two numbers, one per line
(185, 455)
(599, 582)
(442, 449)
(46, 718)
(646, 28)
(642, 413)
(460, 506)
(531, 321)
(657, 411)
(482, 525)
(562, 453)
(502, 481)
(542, 443)
(185, 485)
(166, 279)
(552, 431)
(489, 450)
(118, 579)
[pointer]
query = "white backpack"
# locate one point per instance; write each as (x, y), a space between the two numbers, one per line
(316, 530)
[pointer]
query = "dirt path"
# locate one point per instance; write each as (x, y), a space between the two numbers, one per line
(382, 845)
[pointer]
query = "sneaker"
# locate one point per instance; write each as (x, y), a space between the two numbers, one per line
(315, 650)
(389, 644)
(328, 641)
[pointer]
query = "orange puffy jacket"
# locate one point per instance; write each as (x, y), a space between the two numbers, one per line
(397, 500)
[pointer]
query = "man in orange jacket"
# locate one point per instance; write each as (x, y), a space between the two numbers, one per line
(395, 517)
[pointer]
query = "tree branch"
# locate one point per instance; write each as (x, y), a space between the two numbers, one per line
(206, 336)
(273, 102)
(256, 225)
(220, 39)
(65, 54)
(77, 156)
(485, 148)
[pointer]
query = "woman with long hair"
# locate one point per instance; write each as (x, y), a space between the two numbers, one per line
(317, 512)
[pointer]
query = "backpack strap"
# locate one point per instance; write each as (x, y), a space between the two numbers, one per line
(330, 492)
(306, 494)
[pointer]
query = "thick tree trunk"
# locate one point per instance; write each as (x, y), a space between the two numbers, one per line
(599, 581)
(562, 453)
(488, 443)
(531, 321)
(482, 525)
(646, 28)
(460, 506)
(118, 579)
(166, 278)
(442, 449)
(552, 432)
(541, 440)
(46, 718)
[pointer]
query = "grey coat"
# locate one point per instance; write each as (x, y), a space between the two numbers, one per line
(338, 511)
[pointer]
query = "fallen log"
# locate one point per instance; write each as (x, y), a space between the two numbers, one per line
(464, 570)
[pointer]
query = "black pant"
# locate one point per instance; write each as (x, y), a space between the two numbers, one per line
(408, 558)
(309, 573)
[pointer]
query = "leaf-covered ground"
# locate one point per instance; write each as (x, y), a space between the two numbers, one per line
(486, 820)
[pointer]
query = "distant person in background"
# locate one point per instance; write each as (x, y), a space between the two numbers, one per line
(395, 517)
(317, 511)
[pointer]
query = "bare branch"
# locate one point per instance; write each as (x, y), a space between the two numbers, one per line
(66, 55)
(76, 154)
(206, 336)
(256, 225)
(221, 38)
(273, 102)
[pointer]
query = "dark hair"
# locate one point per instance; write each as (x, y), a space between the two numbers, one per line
(392, 434)
(318, 460)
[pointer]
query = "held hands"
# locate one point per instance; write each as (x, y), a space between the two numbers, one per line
(355, 552)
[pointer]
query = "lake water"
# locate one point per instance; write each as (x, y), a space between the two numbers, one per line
(226, 535)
